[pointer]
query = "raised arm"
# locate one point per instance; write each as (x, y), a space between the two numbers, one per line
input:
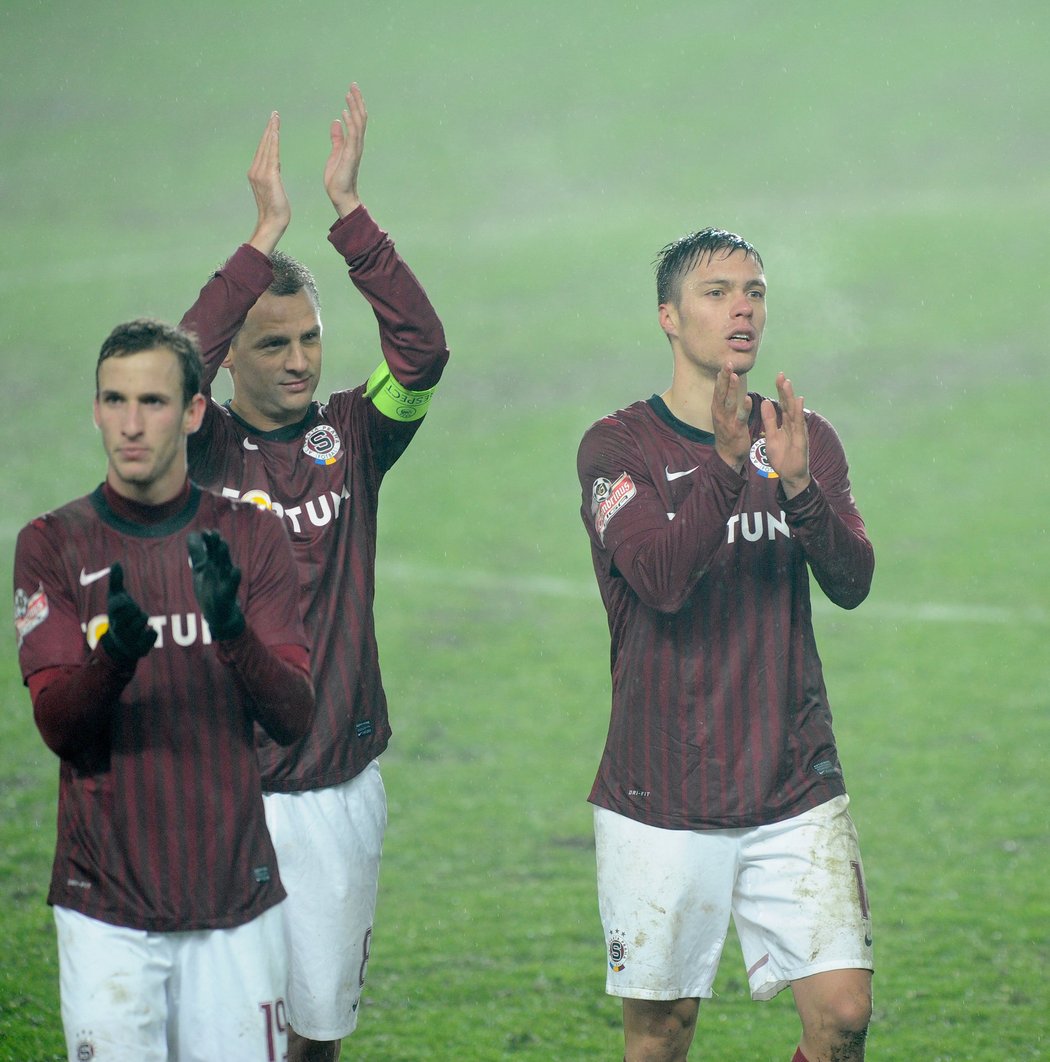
(224, 302)
(344, 161)
(271, 200)
(410, 333)
(787, 438)
(818, 502)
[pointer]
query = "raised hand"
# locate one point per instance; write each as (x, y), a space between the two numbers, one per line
(215, 582)
(730, 410)
(129, 636)
(344, 160)
(271, 200)
(787, 438)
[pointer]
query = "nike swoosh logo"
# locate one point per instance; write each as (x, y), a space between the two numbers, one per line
(87, 578)
(250, 446)
(678, 475)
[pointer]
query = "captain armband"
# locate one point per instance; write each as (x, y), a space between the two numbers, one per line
(393, 400)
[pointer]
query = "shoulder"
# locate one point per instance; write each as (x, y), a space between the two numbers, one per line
(51, 546)
(620, 422)
(821, 429)
(340, 403)
(817, 420)
(618, 433)
(58, 522)
(35, 537)
(216, 420)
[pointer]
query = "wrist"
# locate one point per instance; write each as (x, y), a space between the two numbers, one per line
(344, 205)
(228, 628)
(265, 238)
(734, 461)
(118, 654)
(794, 486)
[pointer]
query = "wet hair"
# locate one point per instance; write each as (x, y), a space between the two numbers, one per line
(678, 259)
(290, 277)
(146, 333)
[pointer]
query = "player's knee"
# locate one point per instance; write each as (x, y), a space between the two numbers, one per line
(658, 1030)
(847, 1015)
(837, 1023)
(853, 1013)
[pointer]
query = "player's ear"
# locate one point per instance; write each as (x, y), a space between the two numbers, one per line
(193, 416)
(94, 413)
(231, 352)
(668, 319)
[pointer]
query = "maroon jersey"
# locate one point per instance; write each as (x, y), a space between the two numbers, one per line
(163, 828)
(720, 717)
(322, 476)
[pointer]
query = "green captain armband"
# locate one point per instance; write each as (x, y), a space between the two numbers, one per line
(393, 400)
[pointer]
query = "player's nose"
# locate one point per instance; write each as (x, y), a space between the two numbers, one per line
(296, 360)
(132, 424)
(743, 306)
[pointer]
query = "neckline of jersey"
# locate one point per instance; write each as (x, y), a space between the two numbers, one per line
(659, 408)
(161, 529)
(285, 434)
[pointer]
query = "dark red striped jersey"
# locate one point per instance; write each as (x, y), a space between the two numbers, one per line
(322, 477)
(163, 828)
(720, 716)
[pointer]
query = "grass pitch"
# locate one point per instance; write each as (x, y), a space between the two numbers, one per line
(530, 161)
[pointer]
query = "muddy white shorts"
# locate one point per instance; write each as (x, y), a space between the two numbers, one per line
(328, 843)
(794, 889)
(133, 996)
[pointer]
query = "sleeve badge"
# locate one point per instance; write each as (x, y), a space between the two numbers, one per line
(30, 611)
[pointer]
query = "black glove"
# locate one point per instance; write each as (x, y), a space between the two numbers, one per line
(215, 582)
(129, 636)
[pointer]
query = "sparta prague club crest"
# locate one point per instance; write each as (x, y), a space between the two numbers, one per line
(617, 954)
(760, 461)
(323, 445)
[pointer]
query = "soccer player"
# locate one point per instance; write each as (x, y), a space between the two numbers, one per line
(157, 624)
(720, 792)
(320, 468)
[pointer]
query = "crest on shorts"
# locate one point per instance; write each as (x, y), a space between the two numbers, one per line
(323, 445)
(617, 952)
(760, 461)
(85, 1049)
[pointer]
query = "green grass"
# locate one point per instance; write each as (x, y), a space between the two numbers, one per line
(530, 160)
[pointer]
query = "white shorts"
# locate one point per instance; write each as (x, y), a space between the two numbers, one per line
(133, 996)
(795, 891)
(329, 843)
